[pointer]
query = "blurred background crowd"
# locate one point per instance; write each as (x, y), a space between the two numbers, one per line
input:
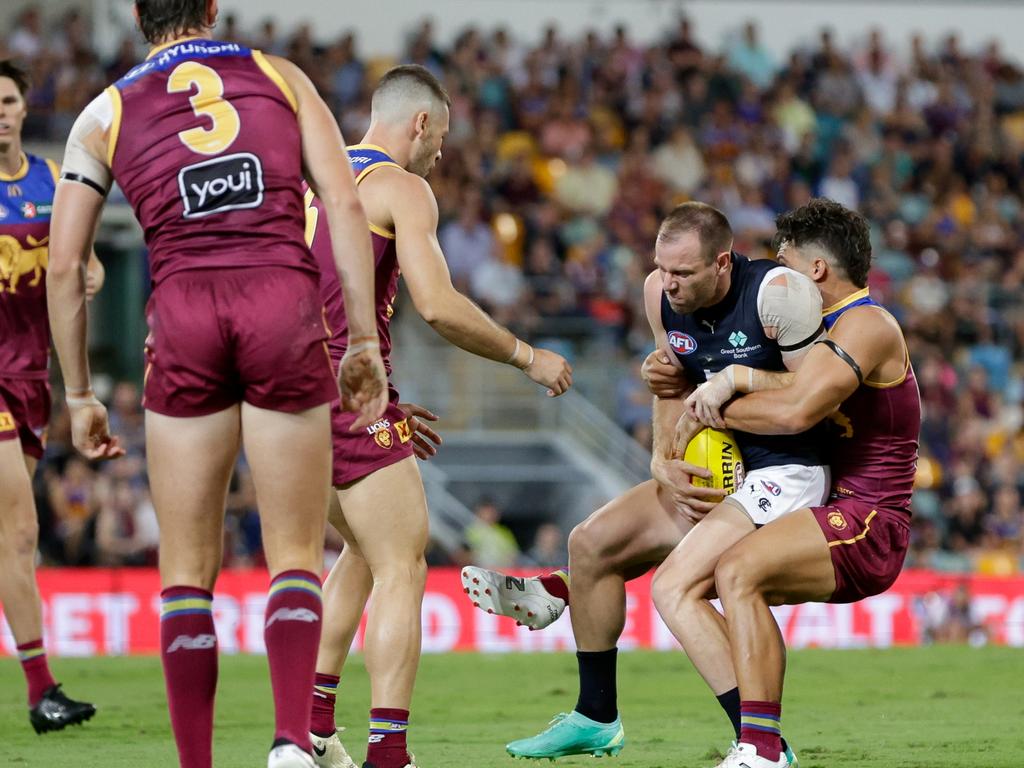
(563, 156)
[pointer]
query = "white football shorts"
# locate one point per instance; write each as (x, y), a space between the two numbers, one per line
(768, 494)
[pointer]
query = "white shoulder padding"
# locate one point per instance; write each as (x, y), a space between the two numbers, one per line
(790, 310)
(79, 160)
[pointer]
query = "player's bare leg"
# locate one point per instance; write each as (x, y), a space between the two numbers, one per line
(386, 514)
(346, 590)
(681, 590)
(291, 463)
(190, 461)
(786, 561)
(620, 541)
(49, 708)
(19, 536)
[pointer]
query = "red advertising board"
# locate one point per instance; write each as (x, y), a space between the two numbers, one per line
(91, 612)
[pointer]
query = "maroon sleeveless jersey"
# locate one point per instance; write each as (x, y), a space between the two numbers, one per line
(365, 159)
(26, 200)
(874, 443)
(205, 145)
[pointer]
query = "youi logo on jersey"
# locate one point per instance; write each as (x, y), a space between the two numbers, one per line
(223, 184)
(682, 343)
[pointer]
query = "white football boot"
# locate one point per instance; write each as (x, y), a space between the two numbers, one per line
(289, 756)
(525, 600)
(328, 752)
(745, 755)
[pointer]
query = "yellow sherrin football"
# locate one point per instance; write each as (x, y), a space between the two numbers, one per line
(716, 450)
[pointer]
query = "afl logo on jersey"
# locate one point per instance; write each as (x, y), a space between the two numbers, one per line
(682, 343)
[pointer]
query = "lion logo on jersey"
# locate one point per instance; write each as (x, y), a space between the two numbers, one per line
(16, 261)
(842, 421)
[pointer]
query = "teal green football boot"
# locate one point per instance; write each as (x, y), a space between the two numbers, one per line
(791, 756)
(572, 734)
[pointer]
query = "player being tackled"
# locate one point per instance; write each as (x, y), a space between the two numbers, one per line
(538, 601)
(707, 307)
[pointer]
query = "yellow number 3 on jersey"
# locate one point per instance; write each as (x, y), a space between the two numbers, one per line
(207, 101)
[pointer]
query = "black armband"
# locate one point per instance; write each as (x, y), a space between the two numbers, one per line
(83, 180)
(845, 357)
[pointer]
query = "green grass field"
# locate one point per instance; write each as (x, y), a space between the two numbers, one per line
(903, 708)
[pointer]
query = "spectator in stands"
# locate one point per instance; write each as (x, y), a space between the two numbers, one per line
(548, 550)
(126, 527)
(75, 502)
(489, 543)
(583, 143)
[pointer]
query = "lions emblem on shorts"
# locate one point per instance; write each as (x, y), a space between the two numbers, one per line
(383, 438)
(836, 520)
(7, 423)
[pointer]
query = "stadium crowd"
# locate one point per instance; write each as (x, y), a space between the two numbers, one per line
(562, 158)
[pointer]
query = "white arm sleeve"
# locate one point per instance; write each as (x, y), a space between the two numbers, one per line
(80, 162)
(790, 311)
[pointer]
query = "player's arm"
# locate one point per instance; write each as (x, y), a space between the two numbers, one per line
(670, 472)
(789, 307)
(327, 170)
(77, 203)
(95, 274)
(831, 372)
(451, 314)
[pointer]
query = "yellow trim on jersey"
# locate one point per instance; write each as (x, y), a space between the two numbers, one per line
(380, 231)
(906, 365)
(373, 167)
(164, 46)
(862, 293)
(278, 79)
(54, 169)
(859, 536)
(115, 124)
(894, 382)
(312, 216)
(19, 174)
(376, 147)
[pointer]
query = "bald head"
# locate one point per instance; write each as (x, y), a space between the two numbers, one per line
(405, 91)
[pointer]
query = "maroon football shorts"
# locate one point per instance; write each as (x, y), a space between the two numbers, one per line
(222, 336)
(358, 454)
(867, 545)
(25, 413)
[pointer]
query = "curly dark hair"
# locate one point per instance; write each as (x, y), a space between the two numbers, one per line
(841, 233)
(20, 76)
(160, 19)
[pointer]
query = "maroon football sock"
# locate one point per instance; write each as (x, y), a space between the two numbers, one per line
(292, 635)
(557, 583)
(325, 690)
(387, 746)
(188, 649)
(761, 725)
(36, 669)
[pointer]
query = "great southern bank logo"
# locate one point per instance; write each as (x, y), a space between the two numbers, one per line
(682, 343)
(737, 338)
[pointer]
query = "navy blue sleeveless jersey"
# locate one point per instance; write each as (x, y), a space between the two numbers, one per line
(731, 331)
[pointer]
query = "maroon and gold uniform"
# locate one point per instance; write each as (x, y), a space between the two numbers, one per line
(26, 200)
(206, 146)
(357, 454)
(873, 456)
